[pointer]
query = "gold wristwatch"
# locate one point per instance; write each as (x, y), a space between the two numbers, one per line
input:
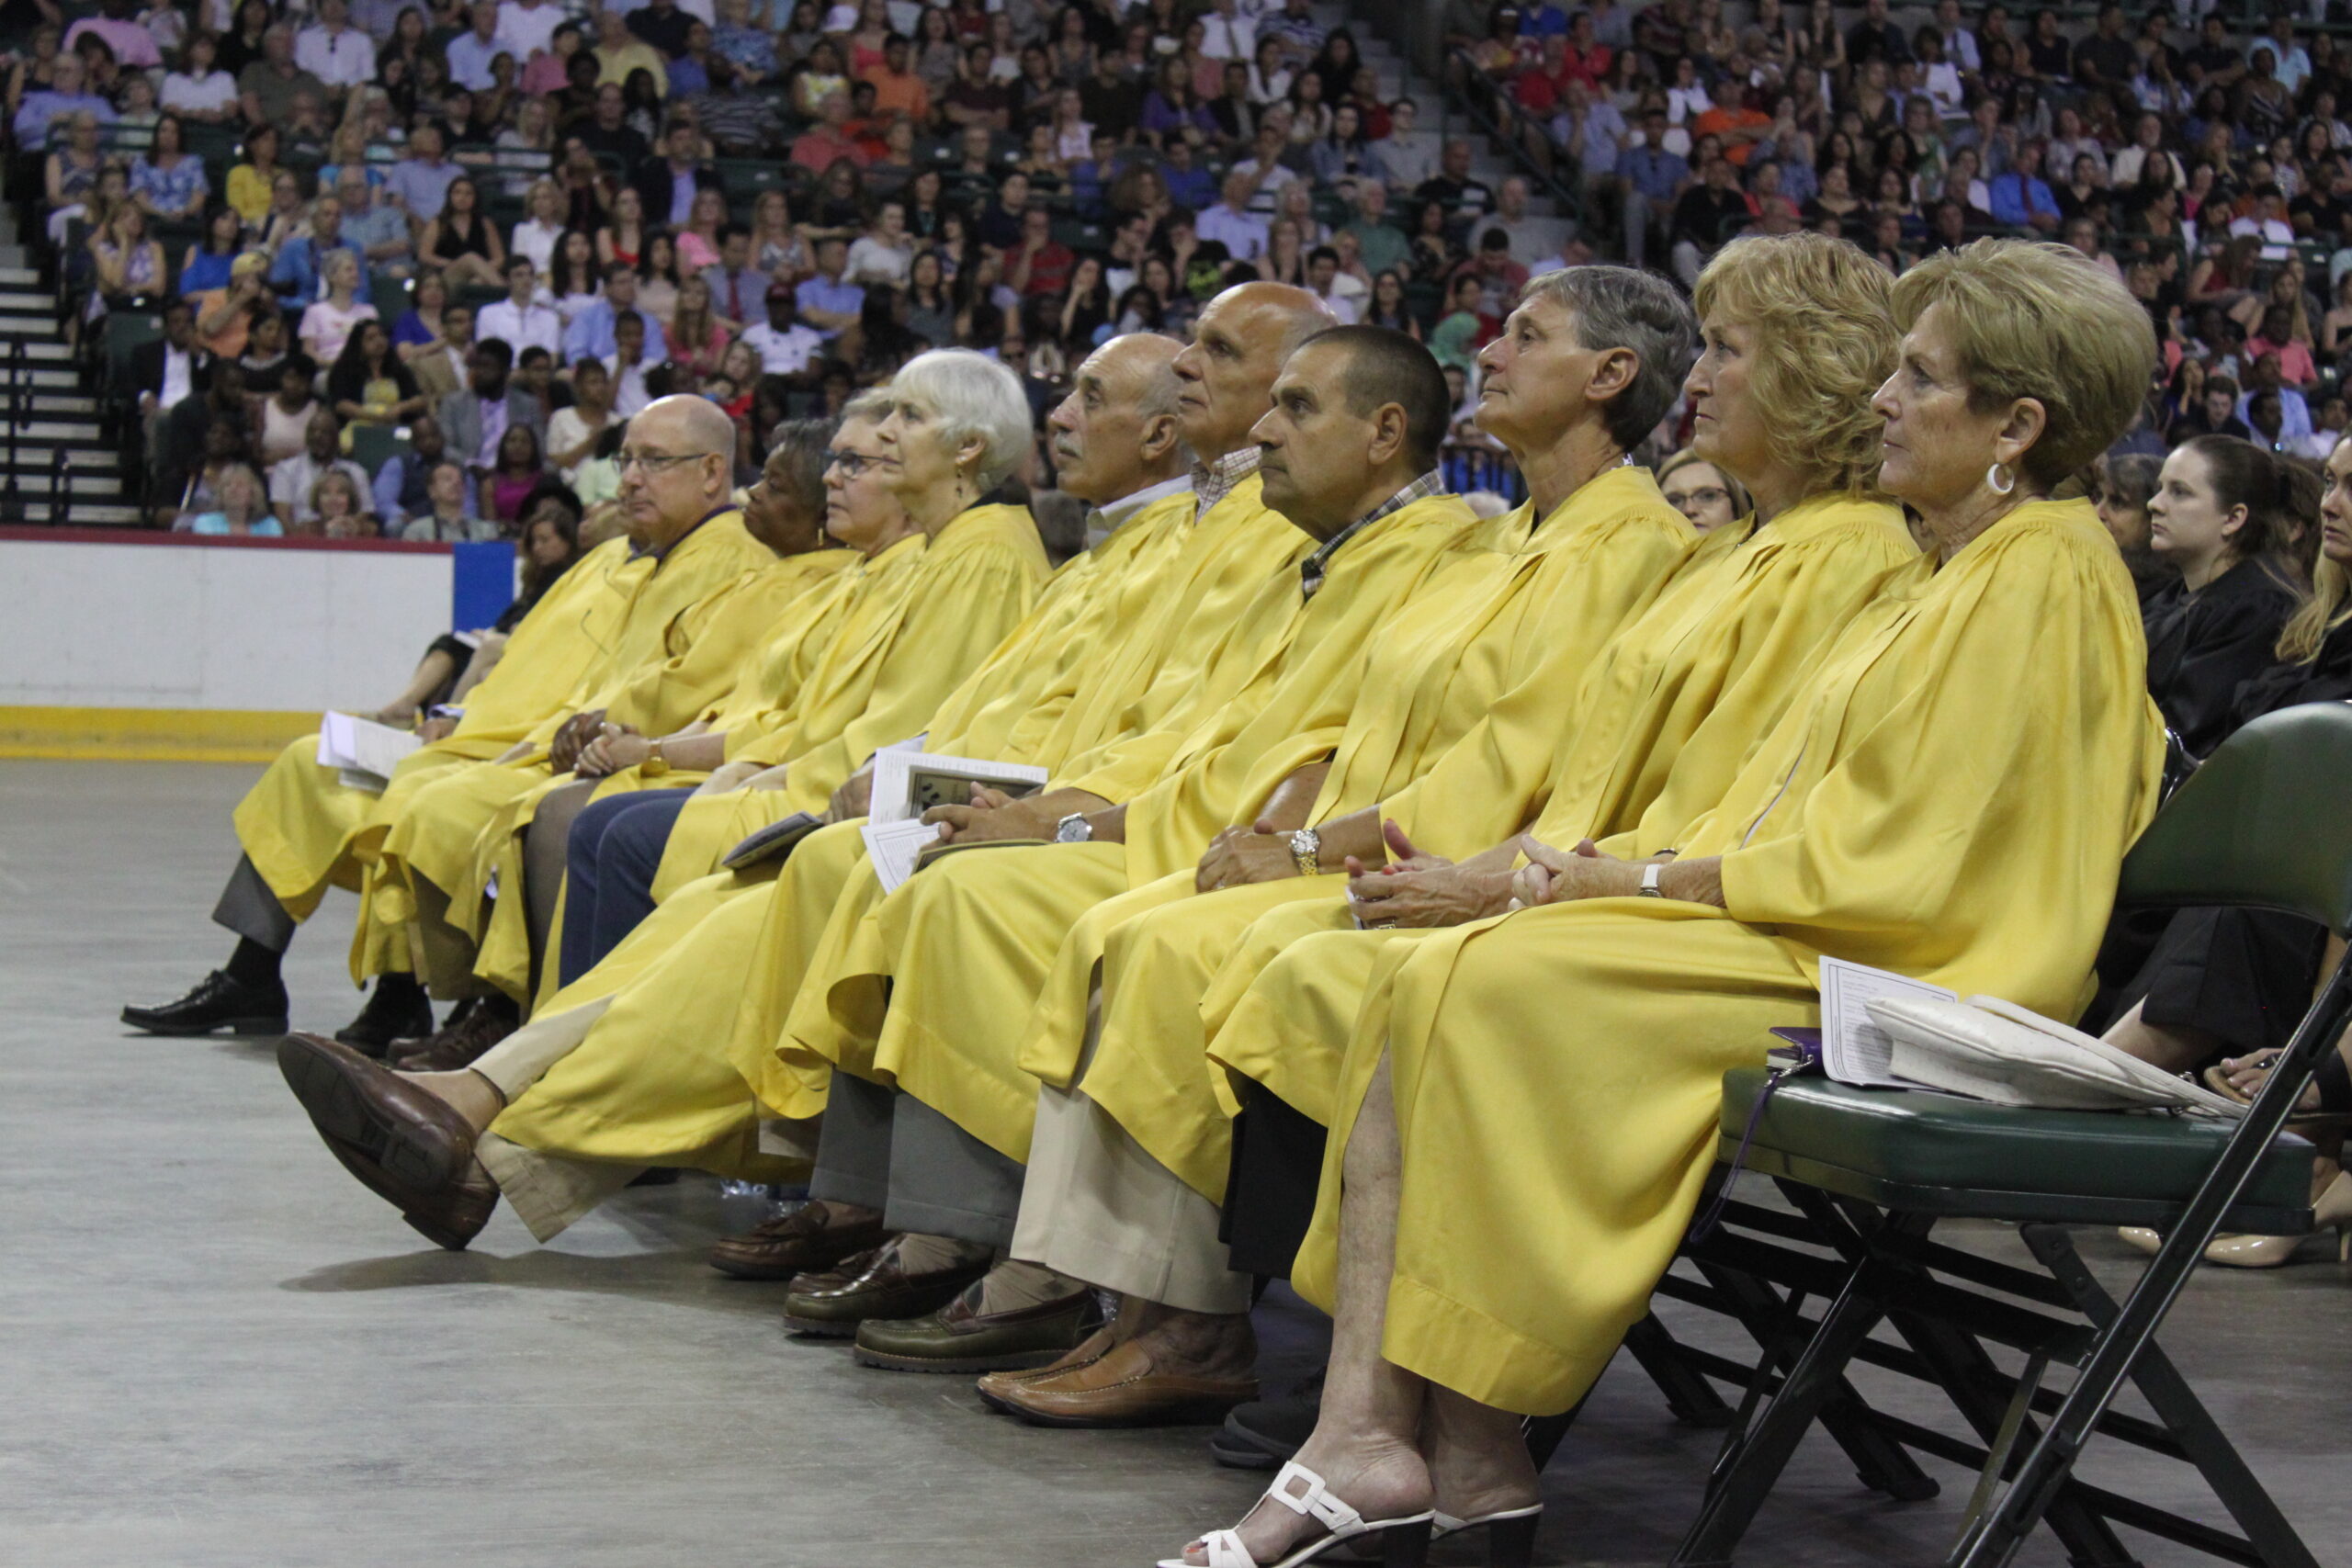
(1305, 845)
(655, 763)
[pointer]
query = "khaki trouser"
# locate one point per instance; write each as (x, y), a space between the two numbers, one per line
(1097, 1208)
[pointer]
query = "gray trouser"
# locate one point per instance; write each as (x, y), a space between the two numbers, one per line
(881, 1149)
(248, 908)
(545, 843)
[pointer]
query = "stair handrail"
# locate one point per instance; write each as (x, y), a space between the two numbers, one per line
(10, 500)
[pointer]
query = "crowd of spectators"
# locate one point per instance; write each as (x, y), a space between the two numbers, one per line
(2207, 165)
(404, 234)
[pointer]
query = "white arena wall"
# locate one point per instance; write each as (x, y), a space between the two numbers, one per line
(169, 646)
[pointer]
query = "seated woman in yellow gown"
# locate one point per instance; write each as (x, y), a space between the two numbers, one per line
(1529, 1101)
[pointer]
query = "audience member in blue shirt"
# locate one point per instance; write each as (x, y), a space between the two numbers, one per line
(1189, 185)
(61, 100)
(421, 180)
(1654, 178)
(295, 276)
(2021, 199)
(590, 336)
(826, 303)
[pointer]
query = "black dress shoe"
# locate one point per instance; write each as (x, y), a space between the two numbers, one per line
(1265, 1433)
(217, 1002)
(381, 1021)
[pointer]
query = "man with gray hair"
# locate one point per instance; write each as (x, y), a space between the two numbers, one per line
(268, 86)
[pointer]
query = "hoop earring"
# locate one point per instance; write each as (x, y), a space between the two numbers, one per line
(2000, 478)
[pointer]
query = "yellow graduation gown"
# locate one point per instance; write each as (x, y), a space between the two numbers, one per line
(961, 951)
(1949, 796)
(306, 832)
(1595, 562)
(791, 603)
(898, 651)
(926, 623)
(432, 837)
(1658, 731)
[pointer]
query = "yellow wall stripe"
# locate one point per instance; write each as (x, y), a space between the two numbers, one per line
(151, 734)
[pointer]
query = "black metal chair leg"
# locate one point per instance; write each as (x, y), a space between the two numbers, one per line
(1689, 1395)
(1752, 1459)
(1970, 1379)
(1880, 1461)
(2176, 1404)
(1995, 1538)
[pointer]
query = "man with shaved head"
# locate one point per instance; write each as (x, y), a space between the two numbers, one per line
(303, 829)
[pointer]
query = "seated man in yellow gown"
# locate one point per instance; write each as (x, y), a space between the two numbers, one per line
(1529, 1103)
(1128, 1165)
(303, 831)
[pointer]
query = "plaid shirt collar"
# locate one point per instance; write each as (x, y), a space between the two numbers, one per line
(1211, 482)
(1313, 569)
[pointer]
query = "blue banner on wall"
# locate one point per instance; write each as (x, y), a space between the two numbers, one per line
(481, 584)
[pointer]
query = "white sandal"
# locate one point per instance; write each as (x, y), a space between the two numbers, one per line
(1405, 1542)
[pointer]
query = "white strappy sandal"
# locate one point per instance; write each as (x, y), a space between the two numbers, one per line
(1405, 1542)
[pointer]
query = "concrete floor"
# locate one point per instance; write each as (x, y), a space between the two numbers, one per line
(215, 1349)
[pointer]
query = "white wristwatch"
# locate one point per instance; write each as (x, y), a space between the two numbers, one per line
(1649, 880)
(1074, 828)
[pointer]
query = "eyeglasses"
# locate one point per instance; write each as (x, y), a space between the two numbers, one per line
(853, 464)
(1708, 495)
(654, 462)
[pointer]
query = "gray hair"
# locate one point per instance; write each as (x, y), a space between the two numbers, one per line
(871, 406)
(973, 396)
(1623, 306)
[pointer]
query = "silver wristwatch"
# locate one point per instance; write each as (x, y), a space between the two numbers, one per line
(1074, 828)
(1650, 888)
(1305, 845)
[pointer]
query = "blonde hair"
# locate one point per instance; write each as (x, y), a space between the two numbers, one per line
(2040, 321)
(2300, 639)
(1741, 503)
(1826, 341)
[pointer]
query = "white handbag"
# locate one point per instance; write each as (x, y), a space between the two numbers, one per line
(1992, 1050)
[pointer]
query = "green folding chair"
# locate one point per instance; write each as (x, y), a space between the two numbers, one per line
(373, 446)
(2262, 824)
(391, 298)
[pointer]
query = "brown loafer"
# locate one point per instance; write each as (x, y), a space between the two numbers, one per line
(1090, 1350)
(1123, 1387)
(461, 1046)
(409, 1149)
(793, 1244)
(832, 1304)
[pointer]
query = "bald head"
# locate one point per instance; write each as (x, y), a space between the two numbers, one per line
(687, 445)
(1226, 377)
(1118, 431)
